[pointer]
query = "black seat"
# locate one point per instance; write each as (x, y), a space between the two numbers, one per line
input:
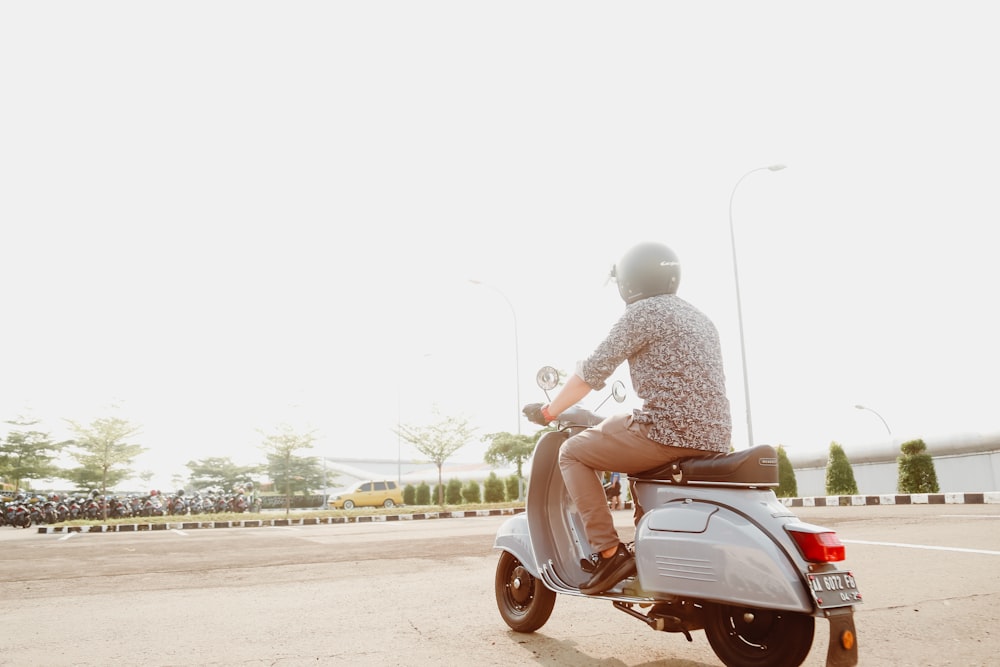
(756, 466)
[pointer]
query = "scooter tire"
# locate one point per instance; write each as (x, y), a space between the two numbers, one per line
(524, 602)
(751, 637)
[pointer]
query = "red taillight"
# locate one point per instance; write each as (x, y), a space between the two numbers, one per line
(823, 547)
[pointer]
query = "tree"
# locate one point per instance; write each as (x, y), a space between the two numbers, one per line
(916, 469)
(103, 452)
(283, 465)
(839, 474)
(438, 441)
(220, 472)
(296, 475)
(28, 454)
(510, 449)
(787, 486)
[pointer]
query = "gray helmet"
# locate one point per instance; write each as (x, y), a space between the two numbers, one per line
(648, 269)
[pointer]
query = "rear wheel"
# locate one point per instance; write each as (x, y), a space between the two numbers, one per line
(749, 637)
(388, 503)
(524, 601)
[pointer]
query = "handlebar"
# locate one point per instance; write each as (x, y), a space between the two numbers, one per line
(578, 416)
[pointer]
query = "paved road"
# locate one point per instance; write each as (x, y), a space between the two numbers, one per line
(421, 593)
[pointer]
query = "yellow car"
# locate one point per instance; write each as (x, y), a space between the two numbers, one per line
(383, 493)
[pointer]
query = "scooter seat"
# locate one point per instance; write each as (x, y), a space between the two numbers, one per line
(756, 466)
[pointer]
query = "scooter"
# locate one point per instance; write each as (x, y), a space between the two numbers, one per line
(715, 550)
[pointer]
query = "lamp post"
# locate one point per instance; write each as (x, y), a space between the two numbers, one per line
(884, 422)
(739, 305)
(399, 438)
(517, 359)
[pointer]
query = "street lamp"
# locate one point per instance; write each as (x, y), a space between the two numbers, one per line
(884, 422)
(399, 438)
(517, 360)
(739, 305)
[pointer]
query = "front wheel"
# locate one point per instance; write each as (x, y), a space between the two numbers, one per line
(524, 601)
(348, 504)
(749, 637)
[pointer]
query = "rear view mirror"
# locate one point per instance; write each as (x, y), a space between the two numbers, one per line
(547, 378)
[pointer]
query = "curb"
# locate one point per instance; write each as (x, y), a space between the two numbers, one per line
(259, 523)
(902, 499)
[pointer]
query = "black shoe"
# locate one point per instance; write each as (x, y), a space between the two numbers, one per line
(610, 571)
(589, 564)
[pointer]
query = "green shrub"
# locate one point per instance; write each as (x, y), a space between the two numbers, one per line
(787, 486)
(453, 492)
(470, 492)
(423, 494)
(493, 490)
(839, 474)
(916, 469)
(409, 495)
(512, 485)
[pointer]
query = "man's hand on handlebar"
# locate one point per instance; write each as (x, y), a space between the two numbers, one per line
(537, 413)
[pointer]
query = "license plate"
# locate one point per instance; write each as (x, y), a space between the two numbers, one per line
(834, 589)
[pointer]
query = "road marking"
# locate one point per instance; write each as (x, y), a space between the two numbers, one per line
(66, 536)
(178, 531)
(923, 546)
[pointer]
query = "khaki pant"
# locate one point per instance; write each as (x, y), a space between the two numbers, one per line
(617, 443)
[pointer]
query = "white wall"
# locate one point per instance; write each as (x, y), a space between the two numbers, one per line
(962, 473)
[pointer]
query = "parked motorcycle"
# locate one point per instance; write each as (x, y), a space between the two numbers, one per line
(37, 511)
(176, 504)
(75, 505)
(200, 504)
(17, 513)
(118, 508)
(152, 506)
(238, 503)
(715, 550)
(93, 508)
(62, 510)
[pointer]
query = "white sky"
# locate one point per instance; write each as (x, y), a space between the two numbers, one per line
(221, 216)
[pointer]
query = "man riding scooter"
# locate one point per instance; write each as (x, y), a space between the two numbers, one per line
(675, 363)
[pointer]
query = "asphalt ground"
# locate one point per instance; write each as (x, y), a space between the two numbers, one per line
(421, 593)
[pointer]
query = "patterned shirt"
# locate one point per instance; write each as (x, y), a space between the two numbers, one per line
(675, 361)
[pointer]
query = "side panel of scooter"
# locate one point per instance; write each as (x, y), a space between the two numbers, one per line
(708, 551)
(557, 539)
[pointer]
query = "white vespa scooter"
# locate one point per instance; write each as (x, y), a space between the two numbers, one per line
(714, 548)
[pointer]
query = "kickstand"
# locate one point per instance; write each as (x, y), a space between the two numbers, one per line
(660, 622)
